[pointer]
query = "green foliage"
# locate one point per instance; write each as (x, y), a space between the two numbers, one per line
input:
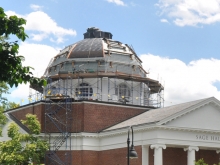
(3, 107)
(3, 119)
(200, 162)
(32, 124)
(23, 148)
(11, 105)
(3, 90)
(11, 70)
(4, 104)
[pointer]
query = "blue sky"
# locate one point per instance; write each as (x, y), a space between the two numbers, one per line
(178, 41)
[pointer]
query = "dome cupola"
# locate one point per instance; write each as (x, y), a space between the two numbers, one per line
(102, 69)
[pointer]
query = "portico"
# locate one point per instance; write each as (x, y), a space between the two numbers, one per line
(183, 133)
(179, 134)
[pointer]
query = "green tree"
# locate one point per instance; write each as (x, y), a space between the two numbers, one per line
(23, 148)
(3, 119)
(11, 70)
(4, 104)
(3, 90)
(200, 162)
(10, 105)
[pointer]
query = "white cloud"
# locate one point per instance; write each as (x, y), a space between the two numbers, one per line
(36, 7)
(184, 82)
(37, 56)
(10, 13)
(39, 37)
(41, 22)
(164, 20)
(42, 26)
(21, 92)
(191, 12)
(117, 2)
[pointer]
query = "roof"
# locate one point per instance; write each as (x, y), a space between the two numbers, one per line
(156, 115)
(87, 48)
(96, 52)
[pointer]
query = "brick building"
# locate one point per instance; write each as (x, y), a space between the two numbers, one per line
(96, 89)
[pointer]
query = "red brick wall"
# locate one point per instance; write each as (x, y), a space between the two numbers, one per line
(32, 109)
(109, 157)
(171, 156)
(174, 156)
(118, 157)
(209, 156)
(86, 117)
(98, 117)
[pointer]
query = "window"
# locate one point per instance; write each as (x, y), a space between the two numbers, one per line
(84, 91)
(110, 64)
(123, 91)
(133, 67)
(61, 65)
(52, 91)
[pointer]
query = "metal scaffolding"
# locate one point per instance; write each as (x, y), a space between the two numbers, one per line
(65, 88)
(58, 120)
(139, 91)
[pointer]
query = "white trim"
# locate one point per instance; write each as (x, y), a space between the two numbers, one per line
(157, 146)
(114, 105)
(190, 148)
(80, 102)
(25, 106)
(211, 100)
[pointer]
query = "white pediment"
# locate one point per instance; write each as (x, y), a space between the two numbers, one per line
(206, 117)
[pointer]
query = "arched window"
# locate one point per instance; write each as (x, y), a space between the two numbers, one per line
(51, 91)
(84, 91)
(54, 90)
(123, 91)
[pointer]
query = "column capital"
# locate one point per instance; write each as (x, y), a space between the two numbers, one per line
(157, 146)
(190, 148)
(218, 151)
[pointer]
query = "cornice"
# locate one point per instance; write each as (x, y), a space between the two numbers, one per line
(154, 126)
(25, 106)
(138, 129)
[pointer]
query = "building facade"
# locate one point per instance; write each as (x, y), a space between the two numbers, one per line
(96, 90)
(179, 134)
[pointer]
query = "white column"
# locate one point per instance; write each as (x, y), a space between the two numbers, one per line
(105, 89)
(218, 151)
(145, 155)
(158, 153)
(191, 154)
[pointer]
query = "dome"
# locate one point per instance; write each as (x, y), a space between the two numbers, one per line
(95, 53)
(99, 68)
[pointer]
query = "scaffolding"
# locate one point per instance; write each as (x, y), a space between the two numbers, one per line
(96, 69)
(65, 88)
(143, 91)
(58, 121)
